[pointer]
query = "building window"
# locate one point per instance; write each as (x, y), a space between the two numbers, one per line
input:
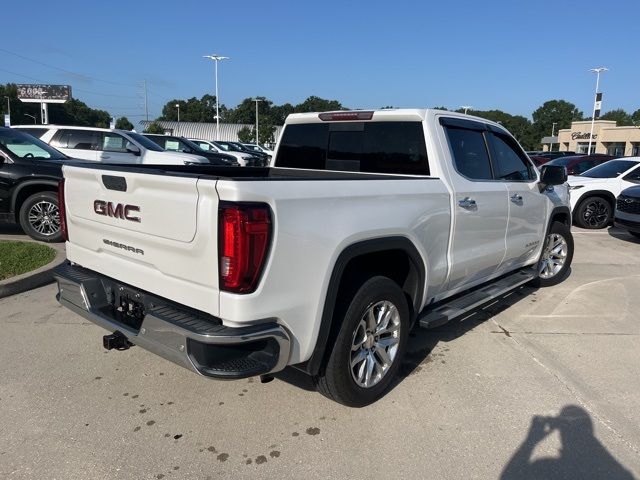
(583, 147)
(616, 149)
(635, 150)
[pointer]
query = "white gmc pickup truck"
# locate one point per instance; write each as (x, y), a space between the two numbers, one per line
(369, 222)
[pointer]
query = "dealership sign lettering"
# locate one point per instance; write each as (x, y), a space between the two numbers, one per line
(582, 136)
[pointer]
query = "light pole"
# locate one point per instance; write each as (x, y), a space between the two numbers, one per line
(216, 58)
(178, 107)
(8, 109)
(257, 100)
(553, 131)
(597, 71)
(32, 116)
(465, 108)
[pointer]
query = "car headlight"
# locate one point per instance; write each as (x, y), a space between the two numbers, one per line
(575, 187)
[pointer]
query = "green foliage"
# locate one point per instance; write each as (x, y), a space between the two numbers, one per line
(123, 123)
(201, 110)
(17, 258)
(560, 112)
(245, 135)
(619, 115)
(317, 104)
(635, 117)
(154, 128)
(441, 108)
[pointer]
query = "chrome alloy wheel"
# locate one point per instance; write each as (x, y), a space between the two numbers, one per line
(44, 218)
(596, 213)
(553, 257)
(375, 343)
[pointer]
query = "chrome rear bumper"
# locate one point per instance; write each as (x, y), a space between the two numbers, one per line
(194, 340)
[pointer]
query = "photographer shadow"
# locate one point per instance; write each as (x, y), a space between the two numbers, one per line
(581, 456)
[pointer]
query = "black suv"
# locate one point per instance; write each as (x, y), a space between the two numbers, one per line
(29, 174)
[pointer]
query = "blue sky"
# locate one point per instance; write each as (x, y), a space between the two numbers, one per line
(511, 55)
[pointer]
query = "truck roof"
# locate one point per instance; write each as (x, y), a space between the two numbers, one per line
(387, 114)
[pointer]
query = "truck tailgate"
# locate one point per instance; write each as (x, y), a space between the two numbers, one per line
(154, 232)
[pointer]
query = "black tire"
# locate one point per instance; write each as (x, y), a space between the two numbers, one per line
(48, 230)
(336, 380)
(594, 212)
(557, 228)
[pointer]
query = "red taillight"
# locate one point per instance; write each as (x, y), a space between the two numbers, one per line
(244, 237)
(62, 211)
(345, 116)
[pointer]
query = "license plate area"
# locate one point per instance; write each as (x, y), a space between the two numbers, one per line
(127, 307)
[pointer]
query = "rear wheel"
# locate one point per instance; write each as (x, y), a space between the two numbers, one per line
(40, 217)
(556, 257)
(369, 346)
(594, 212)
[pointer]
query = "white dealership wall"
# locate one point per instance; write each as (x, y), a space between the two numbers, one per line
(202, 131)
(607, 138)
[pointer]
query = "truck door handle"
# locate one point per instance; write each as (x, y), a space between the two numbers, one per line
(468, 203)
(515, 198)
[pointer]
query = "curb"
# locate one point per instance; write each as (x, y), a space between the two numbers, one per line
(35, 278)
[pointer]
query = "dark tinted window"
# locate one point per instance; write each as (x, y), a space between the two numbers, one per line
(77, 139)
(36, 132)
(376, 147)
(509, 162)
(24, 145)
(633, 176)
(610, 169)
(303, 146)
(581, 167)
(470, 153)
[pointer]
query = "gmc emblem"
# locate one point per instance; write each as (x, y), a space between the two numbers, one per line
(116, 210)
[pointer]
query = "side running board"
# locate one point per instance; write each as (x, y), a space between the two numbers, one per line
(460, 305)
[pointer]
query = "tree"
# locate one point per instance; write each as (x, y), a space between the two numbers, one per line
(245, 134)
(619, 115)
(123, 123)
(154, 128)
(317, 104)
(560, 112)
(193, 110)
(441, 108)
(245, 112)
(635, 117)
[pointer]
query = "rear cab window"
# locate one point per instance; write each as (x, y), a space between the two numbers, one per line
(372, 147)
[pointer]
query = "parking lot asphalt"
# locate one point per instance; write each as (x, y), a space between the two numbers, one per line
(542, 384)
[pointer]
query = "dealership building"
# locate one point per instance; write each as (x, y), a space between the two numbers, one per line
(607, 138)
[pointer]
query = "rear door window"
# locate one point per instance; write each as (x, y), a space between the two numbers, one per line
(77, 139)
(112, 142)
(470, 154)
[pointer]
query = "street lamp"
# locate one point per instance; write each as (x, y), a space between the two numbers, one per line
(597, 71)
(178, 107)
(257, 123)
(32, 116)
(216, 58)
(466, 107)
(8, 109)
(553, 131)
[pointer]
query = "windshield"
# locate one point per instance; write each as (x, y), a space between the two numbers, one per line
(145, 142)
(23, 145)
(610, 169)
(229, 146)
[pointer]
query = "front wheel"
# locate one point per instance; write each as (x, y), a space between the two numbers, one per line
(556, 257)
(594, 212)
(369, 346)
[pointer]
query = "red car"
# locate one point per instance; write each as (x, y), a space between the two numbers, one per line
(578, 164)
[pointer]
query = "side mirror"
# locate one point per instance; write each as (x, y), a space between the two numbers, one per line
(553, 175)
(131, 148)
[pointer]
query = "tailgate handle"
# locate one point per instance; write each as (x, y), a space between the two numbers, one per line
(112, 182)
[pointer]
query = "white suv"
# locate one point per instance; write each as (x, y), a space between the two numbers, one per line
(109, 145)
